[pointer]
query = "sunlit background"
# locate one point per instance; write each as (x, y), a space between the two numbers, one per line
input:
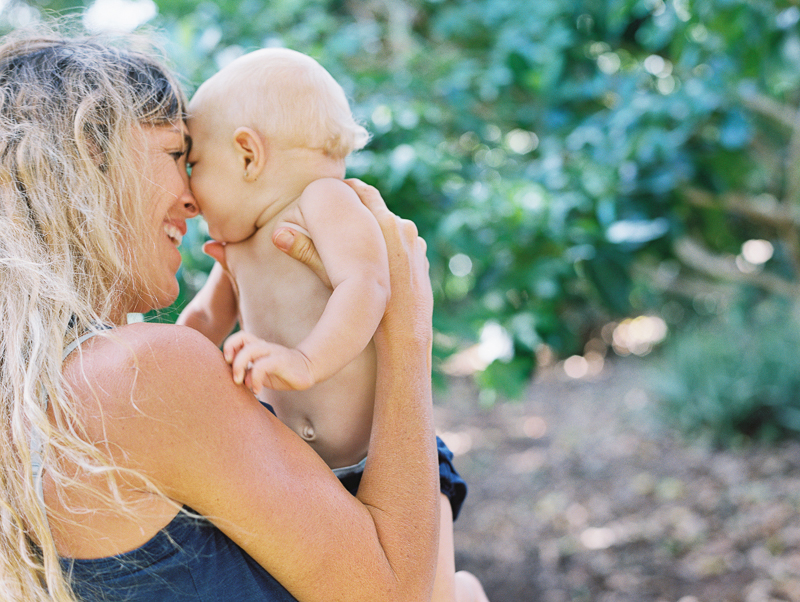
(594, 179)
(598, 182)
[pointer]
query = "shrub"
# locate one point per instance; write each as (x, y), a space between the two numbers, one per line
(733, 379)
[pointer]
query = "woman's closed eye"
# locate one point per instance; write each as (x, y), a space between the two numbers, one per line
(178, 154)
(182, 155)
(183, 151)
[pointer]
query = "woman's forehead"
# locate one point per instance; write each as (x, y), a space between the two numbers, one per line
(170, 131)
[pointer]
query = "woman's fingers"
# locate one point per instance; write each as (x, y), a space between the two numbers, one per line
(373, 201)
(390, 224)
(300, 247)
(369, 195)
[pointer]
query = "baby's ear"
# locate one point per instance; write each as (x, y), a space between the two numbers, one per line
(252, 152)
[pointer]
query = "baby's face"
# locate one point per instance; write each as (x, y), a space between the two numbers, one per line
(217, 180)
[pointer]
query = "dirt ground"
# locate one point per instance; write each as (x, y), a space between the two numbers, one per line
(577, 495)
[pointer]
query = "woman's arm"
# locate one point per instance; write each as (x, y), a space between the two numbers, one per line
(402, 435)
(209, 444)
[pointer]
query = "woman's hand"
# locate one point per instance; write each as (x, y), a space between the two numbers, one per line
(295, 244)
(403, 501)
(300, 247)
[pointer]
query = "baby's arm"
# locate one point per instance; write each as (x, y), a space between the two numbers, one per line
(213, 310)
(353, 252)
(258, 363)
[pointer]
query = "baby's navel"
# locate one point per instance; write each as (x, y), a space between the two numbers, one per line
(308, 433)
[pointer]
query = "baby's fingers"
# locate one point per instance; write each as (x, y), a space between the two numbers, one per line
(260, 374)
(239, 351)
(234, 343)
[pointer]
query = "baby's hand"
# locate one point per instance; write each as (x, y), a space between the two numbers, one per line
(257, 364)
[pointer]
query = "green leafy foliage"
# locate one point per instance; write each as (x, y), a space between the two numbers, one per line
(555, 155)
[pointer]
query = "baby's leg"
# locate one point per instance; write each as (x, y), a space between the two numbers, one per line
(450, 586)
(468, 588)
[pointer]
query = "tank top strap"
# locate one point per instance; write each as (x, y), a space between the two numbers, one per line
(77, 342)
(37, 440)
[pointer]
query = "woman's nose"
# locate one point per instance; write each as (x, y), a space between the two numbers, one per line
(189, 203)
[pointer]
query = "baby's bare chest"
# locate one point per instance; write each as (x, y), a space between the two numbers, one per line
(280, 299)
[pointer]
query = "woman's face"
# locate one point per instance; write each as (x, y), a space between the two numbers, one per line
(164, 149)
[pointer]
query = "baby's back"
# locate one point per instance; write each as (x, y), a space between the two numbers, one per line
(280, 301)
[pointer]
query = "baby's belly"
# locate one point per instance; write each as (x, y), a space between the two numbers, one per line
(334, 416)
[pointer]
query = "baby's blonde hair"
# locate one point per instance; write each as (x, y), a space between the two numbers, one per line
(288, 97)
(71, 194)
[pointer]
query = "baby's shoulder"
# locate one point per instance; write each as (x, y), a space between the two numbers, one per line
(328, 186)
(327, 191)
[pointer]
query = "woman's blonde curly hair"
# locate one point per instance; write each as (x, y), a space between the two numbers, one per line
(70, 195)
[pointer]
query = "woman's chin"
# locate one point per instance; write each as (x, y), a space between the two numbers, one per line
(161, 298)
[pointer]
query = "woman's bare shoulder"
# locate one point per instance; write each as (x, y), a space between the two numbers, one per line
(142, 366)
(167, 348)
(147, 347)
(162, 398)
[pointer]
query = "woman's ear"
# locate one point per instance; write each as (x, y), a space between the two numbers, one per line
(252, 152)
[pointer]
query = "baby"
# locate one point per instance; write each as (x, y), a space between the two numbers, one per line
(271, 132)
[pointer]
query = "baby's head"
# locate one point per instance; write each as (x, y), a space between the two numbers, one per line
(266, 107)
(288, 98)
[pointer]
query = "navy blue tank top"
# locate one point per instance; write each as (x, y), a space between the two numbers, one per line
(189, 560)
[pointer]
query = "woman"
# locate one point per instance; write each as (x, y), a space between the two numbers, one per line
(132, 467)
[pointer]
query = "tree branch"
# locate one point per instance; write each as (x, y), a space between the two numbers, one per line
(790, 118)
(768, 107)
(758, 209)
(721, 267)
